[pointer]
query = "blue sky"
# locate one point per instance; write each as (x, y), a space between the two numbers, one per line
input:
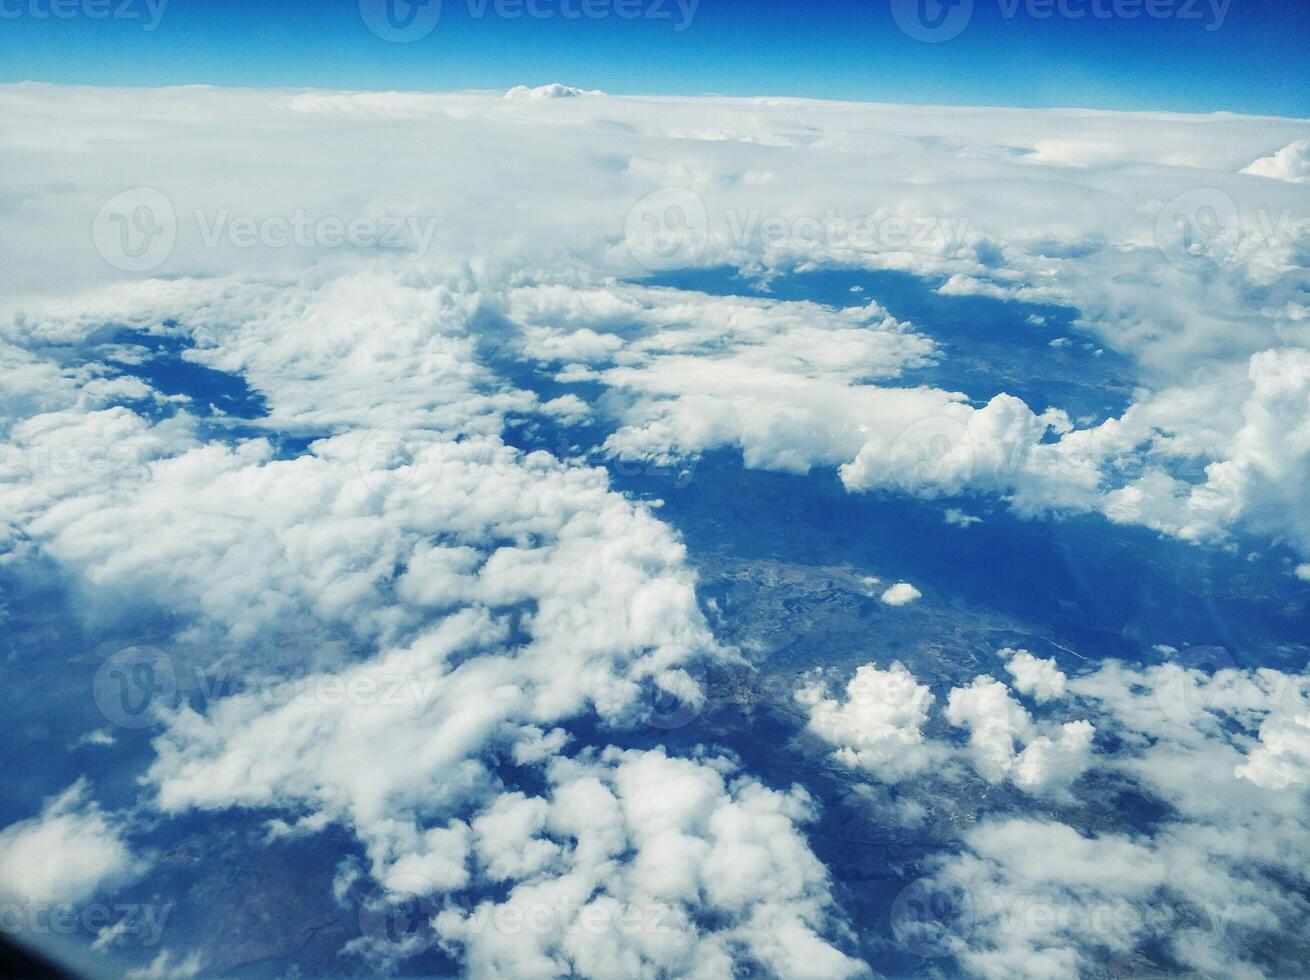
(1188, 55)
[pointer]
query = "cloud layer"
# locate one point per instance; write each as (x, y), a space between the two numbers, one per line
(482, 625)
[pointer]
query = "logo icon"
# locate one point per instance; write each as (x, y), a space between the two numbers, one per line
(668, 229)
(671, 708)
(131, 685)
(135, 231)
(1183, 696)
(396, 917)
(400, 461)
(933, 455)
(932, 21)
(1199, 229)
(931, 915)
(400, 21)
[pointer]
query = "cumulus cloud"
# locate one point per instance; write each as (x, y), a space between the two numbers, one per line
(1263, 460)
(1291, 163)
(878, 726)
(1282, 759)
(702, 371)
(789, 409)
(484, 593)
(1100, 257)
(1046, 901)
(613, 614)
(1043, 679)
(67, 854)
(997, 723)
(649, 865)
(994, 720)
(901, 594)
(1209, 885)
(552, 91)
(477, 598)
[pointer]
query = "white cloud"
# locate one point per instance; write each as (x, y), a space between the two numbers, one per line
(424, 541)
(1282, 759)
(569, 409)
(701, 371)
(958, 518)
(511, 593)
(1208, 883)
(1043, 679)
(1047, 901)
(789, 409)
(994, 719)
(1291, 163)
(552, 91)
(1048, 761)
(68, 854)
(614, 614)
(901, 594)
(878, 727)
(1264, 460)
(639, 864)
(1214, 884)
(999, 176)
(997, 723)
(166, 966)
(506, 834)
(99, 737)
